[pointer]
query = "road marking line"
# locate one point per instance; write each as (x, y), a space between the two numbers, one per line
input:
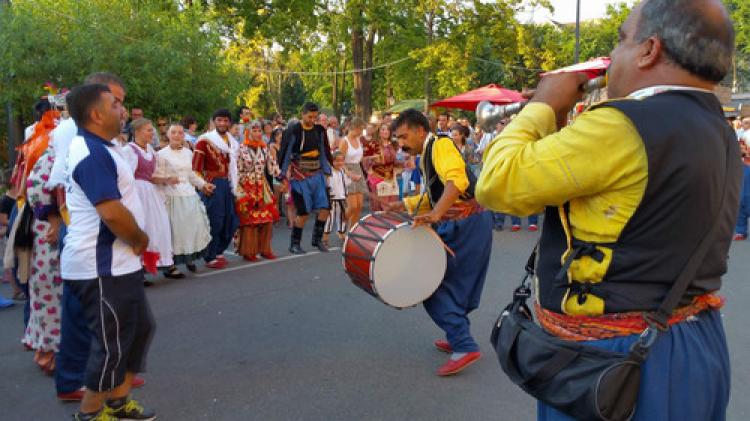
(262, 263)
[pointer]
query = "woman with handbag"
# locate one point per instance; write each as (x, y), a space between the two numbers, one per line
(380, 163)
(255, 203)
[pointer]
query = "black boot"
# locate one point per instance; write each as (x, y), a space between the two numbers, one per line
(317, 239)
(294, 247)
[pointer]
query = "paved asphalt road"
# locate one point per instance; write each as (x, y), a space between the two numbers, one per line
(295, 340)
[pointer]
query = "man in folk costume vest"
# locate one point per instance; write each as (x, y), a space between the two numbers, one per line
(215, 159)
(629, 189)
(448, 203)
(306, 162)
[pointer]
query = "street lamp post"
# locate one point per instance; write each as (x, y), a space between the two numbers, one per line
(578, 31)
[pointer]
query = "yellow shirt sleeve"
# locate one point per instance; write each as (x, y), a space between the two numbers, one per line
(530, 165)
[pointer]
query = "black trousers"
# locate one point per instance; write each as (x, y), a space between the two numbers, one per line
(119, 316)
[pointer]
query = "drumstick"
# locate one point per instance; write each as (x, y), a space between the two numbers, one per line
(445, 246)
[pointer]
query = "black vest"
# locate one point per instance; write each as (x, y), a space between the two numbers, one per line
(433, 185)
(686, 139)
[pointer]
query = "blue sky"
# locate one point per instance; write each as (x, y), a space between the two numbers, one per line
(565, 10)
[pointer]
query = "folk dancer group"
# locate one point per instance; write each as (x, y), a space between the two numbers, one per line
(113, 203)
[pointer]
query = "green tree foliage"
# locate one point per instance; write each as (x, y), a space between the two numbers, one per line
(170, 57)
(293, 95)
(181, 57)
(740, 11)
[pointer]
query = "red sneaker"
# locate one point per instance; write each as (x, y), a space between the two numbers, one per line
(137, 382)
(216, 264)
(77, 395)
(443, 346)
(740, 237)
(515, 228)
(533, 228)
(221, 258)
(74, 396)
(454, 367)
(268, 256)
(250, 258)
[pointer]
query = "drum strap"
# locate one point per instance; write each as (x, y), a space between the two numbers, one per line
(382, 223)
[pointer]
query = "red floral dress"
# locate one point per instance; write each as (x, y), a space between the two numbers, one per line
(255, 202)
(45, 283)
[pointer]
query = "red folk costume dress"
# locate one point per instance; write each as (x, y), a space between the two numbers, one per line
(255, 204)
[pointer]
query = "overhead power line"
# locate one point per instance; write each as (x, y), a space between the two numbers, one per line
(303, 72)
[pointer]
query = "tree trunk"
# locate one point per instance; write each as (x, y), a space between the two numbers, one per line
(280, 100)
(335, 90)
(275, 99)
(358, 61)
(430, 22)
(343, 83)
(367, 75)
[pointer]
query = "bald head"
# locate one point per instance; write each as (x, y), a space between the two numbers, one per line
(696, 35)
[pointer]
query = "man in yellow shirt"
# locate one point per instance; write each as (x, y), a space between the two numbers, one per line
(629, 189)
(448, 204)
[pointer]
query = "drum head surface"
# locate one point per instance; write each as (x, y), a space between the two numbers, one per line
(409, 266)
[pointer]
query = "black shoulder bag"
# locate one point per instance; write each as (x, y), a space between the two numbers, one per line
(25, 231)
(583, 381)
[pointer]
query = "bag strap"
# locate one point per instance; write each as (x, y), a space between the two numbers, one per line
(660, 318)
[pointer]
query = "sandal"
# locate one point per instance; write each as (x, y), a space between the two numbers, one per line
(173, 273)
(46, 361)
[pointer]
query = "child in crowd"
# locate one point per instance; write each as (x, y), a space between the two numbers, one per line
(337, 184)
(6, 206)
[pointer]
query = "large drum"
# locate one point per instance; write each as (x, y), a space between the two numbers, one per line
(392, 261)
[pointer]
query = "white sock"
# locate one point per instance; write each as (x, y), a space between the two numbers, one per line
(458, 355)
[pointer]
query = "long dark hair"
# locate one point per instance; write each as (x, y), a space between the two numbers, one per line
(275, 133)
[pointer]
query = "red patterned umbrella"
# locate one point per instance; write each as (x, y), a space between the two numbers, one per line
(593, 68)
(468, 100)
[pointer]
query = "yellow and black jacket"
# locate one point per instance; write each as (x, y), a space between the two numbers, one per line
(441, 162)
(627, 191)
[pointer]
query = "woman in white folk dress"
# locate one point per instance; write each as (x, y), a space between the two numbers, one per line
(142, 157)
(187, 214)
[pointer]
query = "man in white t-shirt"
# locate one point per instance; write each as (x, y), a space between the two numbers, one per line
(75, 336)
(101, 255)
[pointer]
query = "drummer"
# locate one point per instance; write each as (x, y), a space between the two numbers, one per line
(448, 204)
